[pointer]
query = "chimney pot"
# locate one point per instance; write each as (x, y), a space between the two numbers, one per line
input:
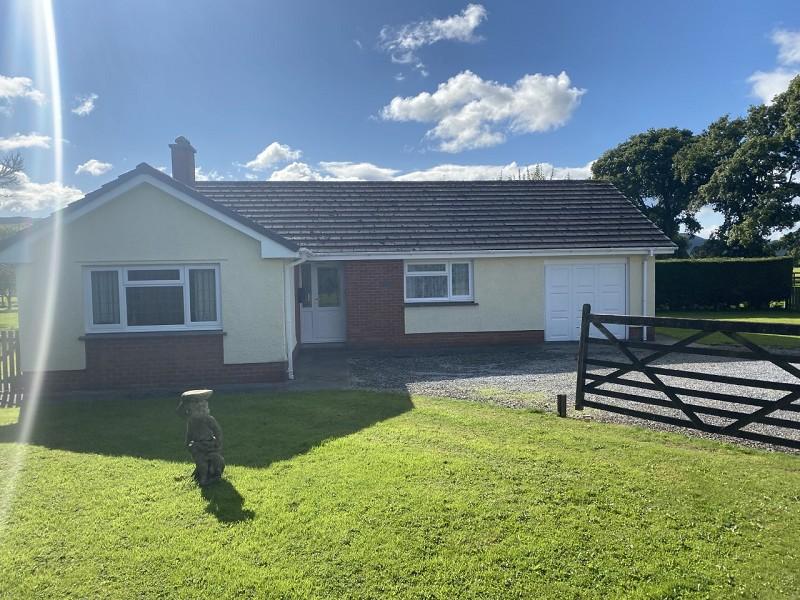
(183, 160)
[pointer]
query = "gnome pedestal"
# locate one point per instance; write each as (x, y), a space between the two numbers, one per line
(203, 436)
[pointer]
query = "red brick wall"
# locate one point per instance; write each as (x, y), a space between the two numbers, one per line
(124, 361)
(635, 333)
(474, 338)
(374, 300)
(376, 312)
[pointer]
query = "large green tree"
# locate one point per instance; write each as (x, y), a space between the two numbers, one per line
(748, 170)
(697, 161)
(643, 168)
(10, 168)
(790, 243)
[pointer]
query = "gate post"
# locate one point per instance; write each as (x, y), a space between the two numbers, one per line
(582, 350)
(561, 405)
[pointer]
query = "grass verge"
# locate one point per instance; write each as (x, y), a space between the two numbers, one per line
(778, 341)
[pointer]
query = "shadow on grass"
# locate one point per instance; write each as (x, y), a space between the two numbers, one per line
(225, 502)
(260, 428)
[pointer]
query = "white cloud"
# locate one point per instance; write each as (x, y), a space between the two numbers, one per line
(19, 87)
(272, 155)
(296, 171)
(767, 84)
(19, 140)
(449, 172)
(788, 43)
(402, 42)
(27, 197)
(212, 175)
(709, 220)
(85, 105)
(94, 167)
(470, 112)
(350, 171)
(362, 171)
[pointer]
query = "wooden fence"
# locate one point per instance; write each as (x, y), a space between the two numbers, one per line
(718, 412)
(9, 367)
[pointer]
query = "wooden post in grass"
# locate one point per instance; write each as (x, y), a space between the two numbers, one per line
(582, 350)
(562, 405)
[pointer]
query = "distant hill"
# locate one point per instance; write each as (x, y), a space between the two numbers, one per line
(25, 221)
(11, 225)
(693, 242)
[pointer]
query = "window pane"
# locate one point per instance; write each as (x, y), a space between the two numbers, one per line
(429, 268)
(304, 292)
(434, 286)
(460, 284)
(160, 305)
(203, 295)
(154, 275)
(105, 298)
(328, 286)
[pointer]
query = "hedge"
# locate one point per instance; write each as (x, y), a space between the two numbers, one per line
(722, 282)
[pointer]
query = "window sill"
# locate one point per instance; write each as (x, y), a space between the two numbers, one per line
(456, 303)
(148, 334)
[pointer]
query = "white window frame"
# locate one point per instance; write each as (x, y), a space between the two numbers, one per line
(123, 283)
(448, 271)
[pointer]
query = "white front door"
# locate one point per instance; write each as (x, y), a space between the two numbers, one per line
(569, 286)
(322, 311)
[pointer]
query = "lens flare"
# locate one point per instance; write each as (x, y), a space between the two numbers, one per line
(46, 56)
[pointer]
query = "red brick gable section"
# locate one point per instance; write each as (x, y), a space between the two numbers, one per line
(374, 299)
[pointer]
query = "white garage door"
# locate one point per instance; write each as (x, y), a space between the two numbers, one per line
(569, 286)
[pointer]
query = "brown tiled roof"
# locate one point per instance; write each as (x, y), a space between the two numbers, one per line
(352, 217)
(366, 216)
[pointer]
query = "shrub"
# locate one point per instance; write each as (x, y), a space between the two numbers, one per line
(722, 282)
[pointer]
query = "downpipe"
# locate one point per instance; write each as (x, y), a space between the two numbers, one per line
(289, 304)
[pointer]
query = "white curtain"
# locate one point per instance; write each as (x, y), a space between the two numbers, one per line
(105, 297)
(203, 295)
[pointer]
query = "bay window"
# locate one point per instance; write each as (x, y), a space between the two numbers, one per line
(438, 281)
(153, 298)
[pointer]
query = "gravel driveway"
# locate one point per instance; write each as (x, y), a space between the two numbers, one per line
(531, 377)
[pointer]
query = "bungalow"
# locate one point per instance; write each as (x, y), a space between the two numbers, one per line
(154, 280)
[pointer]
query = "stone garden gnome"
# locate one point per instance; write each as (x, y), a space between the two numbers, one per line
(203, 436)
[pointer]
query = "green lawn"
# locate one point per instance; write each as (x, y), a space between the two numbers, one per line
(774, 316)
(360, 494)
(9, 319)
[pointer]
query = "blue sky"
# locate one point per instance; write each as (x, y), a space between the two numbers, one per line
(310, 86)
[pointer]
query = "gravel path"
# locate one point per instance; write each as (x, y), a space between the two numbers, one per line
(531, 377)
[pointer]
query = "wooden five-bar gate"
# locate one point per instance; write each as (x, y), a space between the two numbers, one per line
(619, 389)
